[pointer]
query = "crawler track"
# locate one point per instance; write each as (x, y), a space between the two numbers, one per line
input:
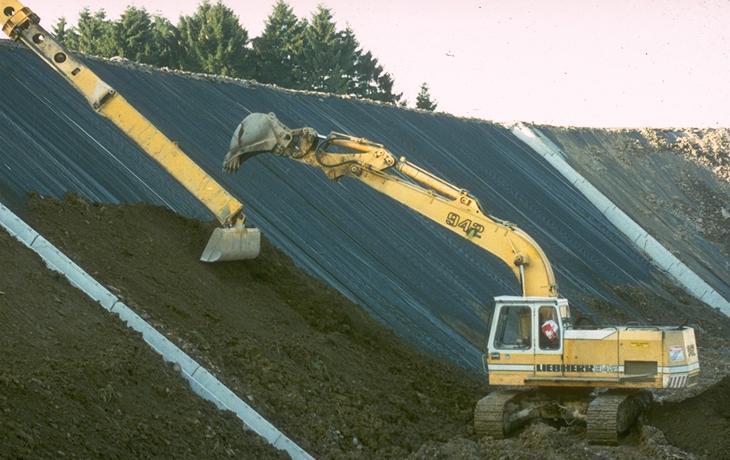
(612, 414)
(492, 414)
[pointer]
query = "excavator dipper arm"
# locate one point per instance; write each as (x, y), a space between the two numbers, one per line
(340, 155)
(232, 242)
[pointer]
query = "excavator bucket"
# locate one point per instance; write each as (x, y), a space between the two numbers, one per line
(257, 133)
(234, 243)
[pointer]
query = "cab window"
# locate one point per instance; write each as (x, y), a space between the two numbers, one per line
(514, 328)
(549, 328)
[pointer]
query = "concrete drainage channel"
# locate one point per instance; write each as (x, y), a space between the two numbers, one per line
(656, 252)
(202, 382)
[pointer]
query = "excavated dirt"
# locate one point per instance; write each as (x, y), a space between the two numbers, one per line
(75, 382)
(315, 364)
(540, 441)
(700, 424)
(319, 368)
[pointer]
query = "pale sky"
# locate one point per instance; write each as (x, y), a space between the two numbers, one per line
(589, 63)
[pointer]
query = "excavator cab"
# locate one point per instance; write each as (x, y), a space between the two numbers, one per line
(526, 332)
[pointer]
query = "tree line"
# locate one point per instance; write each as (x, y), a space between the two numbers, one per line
(290, 52)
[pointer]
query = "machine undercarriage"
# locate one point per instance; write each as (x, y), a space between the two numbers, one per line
(607, 415)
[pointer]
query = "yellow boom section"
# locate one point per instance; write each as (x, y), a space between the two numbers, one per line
(445, 204)
(19, 23)
(341, 155)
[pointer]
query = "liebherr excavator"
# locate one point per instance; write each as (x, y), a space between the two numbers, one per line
(552, 369)
(233, 241)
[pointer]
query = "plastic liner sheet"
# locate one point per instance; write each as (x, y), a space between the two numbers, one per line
(430, 286)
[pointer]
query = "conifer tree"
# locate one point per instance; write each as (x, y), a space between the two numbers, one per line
(423, 100)
(134, 36)
(323, 55)
(290, 52)
(214, 41)
(64, 34)
(95, 34)
(166, 39)
(277, 49)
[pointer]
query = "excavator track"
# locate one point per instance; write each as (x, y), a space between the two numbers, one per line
(493, 413)
(612, 413)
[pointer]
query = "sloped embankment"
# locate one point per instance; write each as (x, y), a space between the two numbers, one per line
(75, 382)
(674, 183)
(431, 287)
(315, 364)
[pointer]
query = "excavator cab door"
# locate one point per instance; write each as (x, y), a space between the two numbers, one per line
(510, 350)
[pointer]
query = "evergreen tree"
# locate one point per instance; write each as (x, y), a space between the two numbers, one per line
(369, 80)
(325, 60)
(277, 49)
(64, 34)
(134, 36)
(214, 41)
(95, 34)
(334, 62)
(290, 52)
(166, 38)
(423, 100)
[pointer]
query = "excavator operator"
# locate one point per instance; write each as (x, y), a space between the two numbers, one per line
(549, 329)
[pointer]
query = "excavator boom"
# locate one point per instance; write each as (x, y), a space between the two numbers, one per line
(339, 155)
(231, 242)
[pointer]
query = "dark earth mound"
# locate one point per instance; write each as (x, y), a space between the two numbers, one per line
(75, 382)
(332, 378)
(312, 362)
(700, 424)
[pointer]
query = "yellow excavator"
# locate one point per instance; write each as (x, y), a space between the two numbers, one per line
(233, 240)
(549, 367)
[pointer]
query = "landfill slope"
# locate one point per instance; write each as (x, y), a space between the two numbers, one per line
(314, 364)
(674, 183)
(336, 381)
(428, 285)
(75, 382)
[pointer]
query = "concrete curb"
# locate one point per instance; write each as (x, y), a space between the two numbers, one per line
(653, 249)
(202, 382)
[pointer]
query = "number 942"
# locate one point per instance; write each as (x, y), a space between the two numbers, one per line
(472, 229)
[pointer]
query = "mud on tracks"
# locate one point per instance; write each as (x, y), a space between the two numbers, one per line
(75, 382)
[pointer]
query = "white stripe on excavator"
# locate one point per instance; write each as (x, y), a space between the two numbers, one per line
(511, 367)
(202, 382)
(530, 367)
(590, 334)
(654, 250)
(679, 369)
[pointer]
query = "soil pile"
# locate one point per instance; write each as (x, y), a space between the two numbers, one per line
(75, 382)
(540, 441)
(709, 147)
(315, 364)
(700, 424)
(312, 362)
